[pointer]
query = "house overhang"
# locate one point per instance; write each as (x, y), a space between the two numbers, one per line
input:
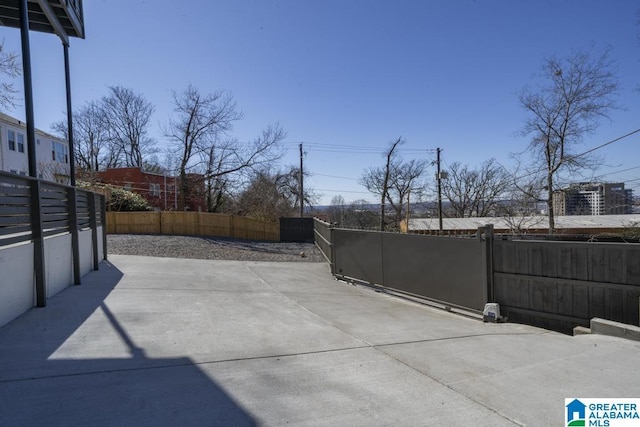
(61, 17)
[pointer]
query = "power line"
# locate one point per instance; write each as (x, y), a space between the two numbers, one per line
(342, 191)
(334, 176)
(572, 157)
(616, 172)
(355, 149)
(605, 144)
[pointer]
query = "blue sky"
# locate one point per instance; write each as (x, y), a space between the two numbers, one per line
(345, 77)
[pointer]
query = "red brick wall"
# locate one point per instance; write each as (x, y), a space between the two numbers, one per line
(141, 182)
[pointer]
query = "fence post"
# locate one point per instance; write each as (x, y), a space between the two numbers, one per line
(488, 258)
(93, 223)
(73, 227)
(333, 251)
(38, 244)
(103, 219)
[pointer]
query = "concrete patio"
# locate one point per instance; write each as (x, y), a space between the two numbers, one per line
(164, 341)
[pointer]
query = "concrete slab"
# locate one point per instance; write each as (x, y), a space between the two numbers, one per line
(615, 329)
(150, 341)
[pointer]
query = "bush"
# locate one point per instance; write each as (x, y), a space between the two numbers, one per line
(121, 200)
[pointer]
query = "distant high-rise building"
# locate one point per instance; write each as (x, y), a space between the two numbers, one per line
(588, 198)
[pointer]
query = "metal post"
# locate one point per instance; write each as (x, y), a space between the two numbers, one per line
(103, 222)
(488, 250)
(67, 78)
(36, 209)
(301, 185)
(439, 179)
(93, 223)
(408, 210)
(73, 213)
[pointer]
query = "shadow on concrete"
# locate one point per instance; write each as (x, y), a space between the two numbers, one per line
(38, 386)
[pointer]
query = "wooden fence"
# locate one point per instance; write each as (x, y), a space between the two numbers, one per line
(191, 223)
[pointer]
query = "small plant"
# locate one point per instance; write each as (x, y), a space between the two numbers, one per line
(631, 231)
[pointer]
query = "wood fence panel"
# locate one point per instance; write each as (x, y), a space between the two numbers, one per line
(253, 229)
(215, 225)
(133, 222)
(191, 224)
(180, 223)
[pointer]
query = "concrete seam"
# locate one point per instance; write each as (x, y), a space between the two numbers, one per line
(322, 319)
(450, 388)
(181, 365)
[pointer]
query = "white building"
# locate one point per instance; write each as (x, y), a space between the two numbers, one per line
(52, 153)
(588, 198)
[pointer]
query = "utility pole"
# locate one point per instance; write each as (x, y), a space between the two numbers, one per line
(408, 209)
(439, 179)
(301, 185)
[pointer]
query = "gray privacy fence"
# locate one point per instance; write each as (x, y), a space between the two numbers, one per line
(296, 230)
(323, 235)
(558, 285)
(551, 284)
(449, 271)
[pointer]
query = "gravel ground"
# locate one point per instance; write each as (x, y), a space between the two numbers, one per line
(211, 248)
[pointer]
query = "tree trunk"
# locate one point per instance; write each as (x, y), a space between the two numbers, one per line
(184, 186)
(552, 222)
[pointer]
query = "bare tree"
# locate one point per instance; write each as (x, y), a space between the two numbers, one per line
(402, 182)
(360, 216)
(91, 148)
(127, 116)
(393, 182)
(521, 212)
(219, 192)
(476, 192)
(575, 94)
(199, 132)
(337, 210)
(8, 66)
(231, 156)
(271, 195)
(198, 120)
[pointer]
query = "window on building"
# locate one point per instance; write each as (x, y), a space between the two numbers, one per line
(11, 139)
(154, 189)
(21, 142)
(59, 152)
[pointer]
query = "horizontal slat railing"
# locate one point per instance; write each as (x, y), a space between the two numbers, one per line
(82, 205)
(39, 216)
(54, 205)
(15, 209)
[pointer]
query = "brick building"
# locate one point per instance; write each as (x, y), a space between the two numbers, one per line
(158, 189)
